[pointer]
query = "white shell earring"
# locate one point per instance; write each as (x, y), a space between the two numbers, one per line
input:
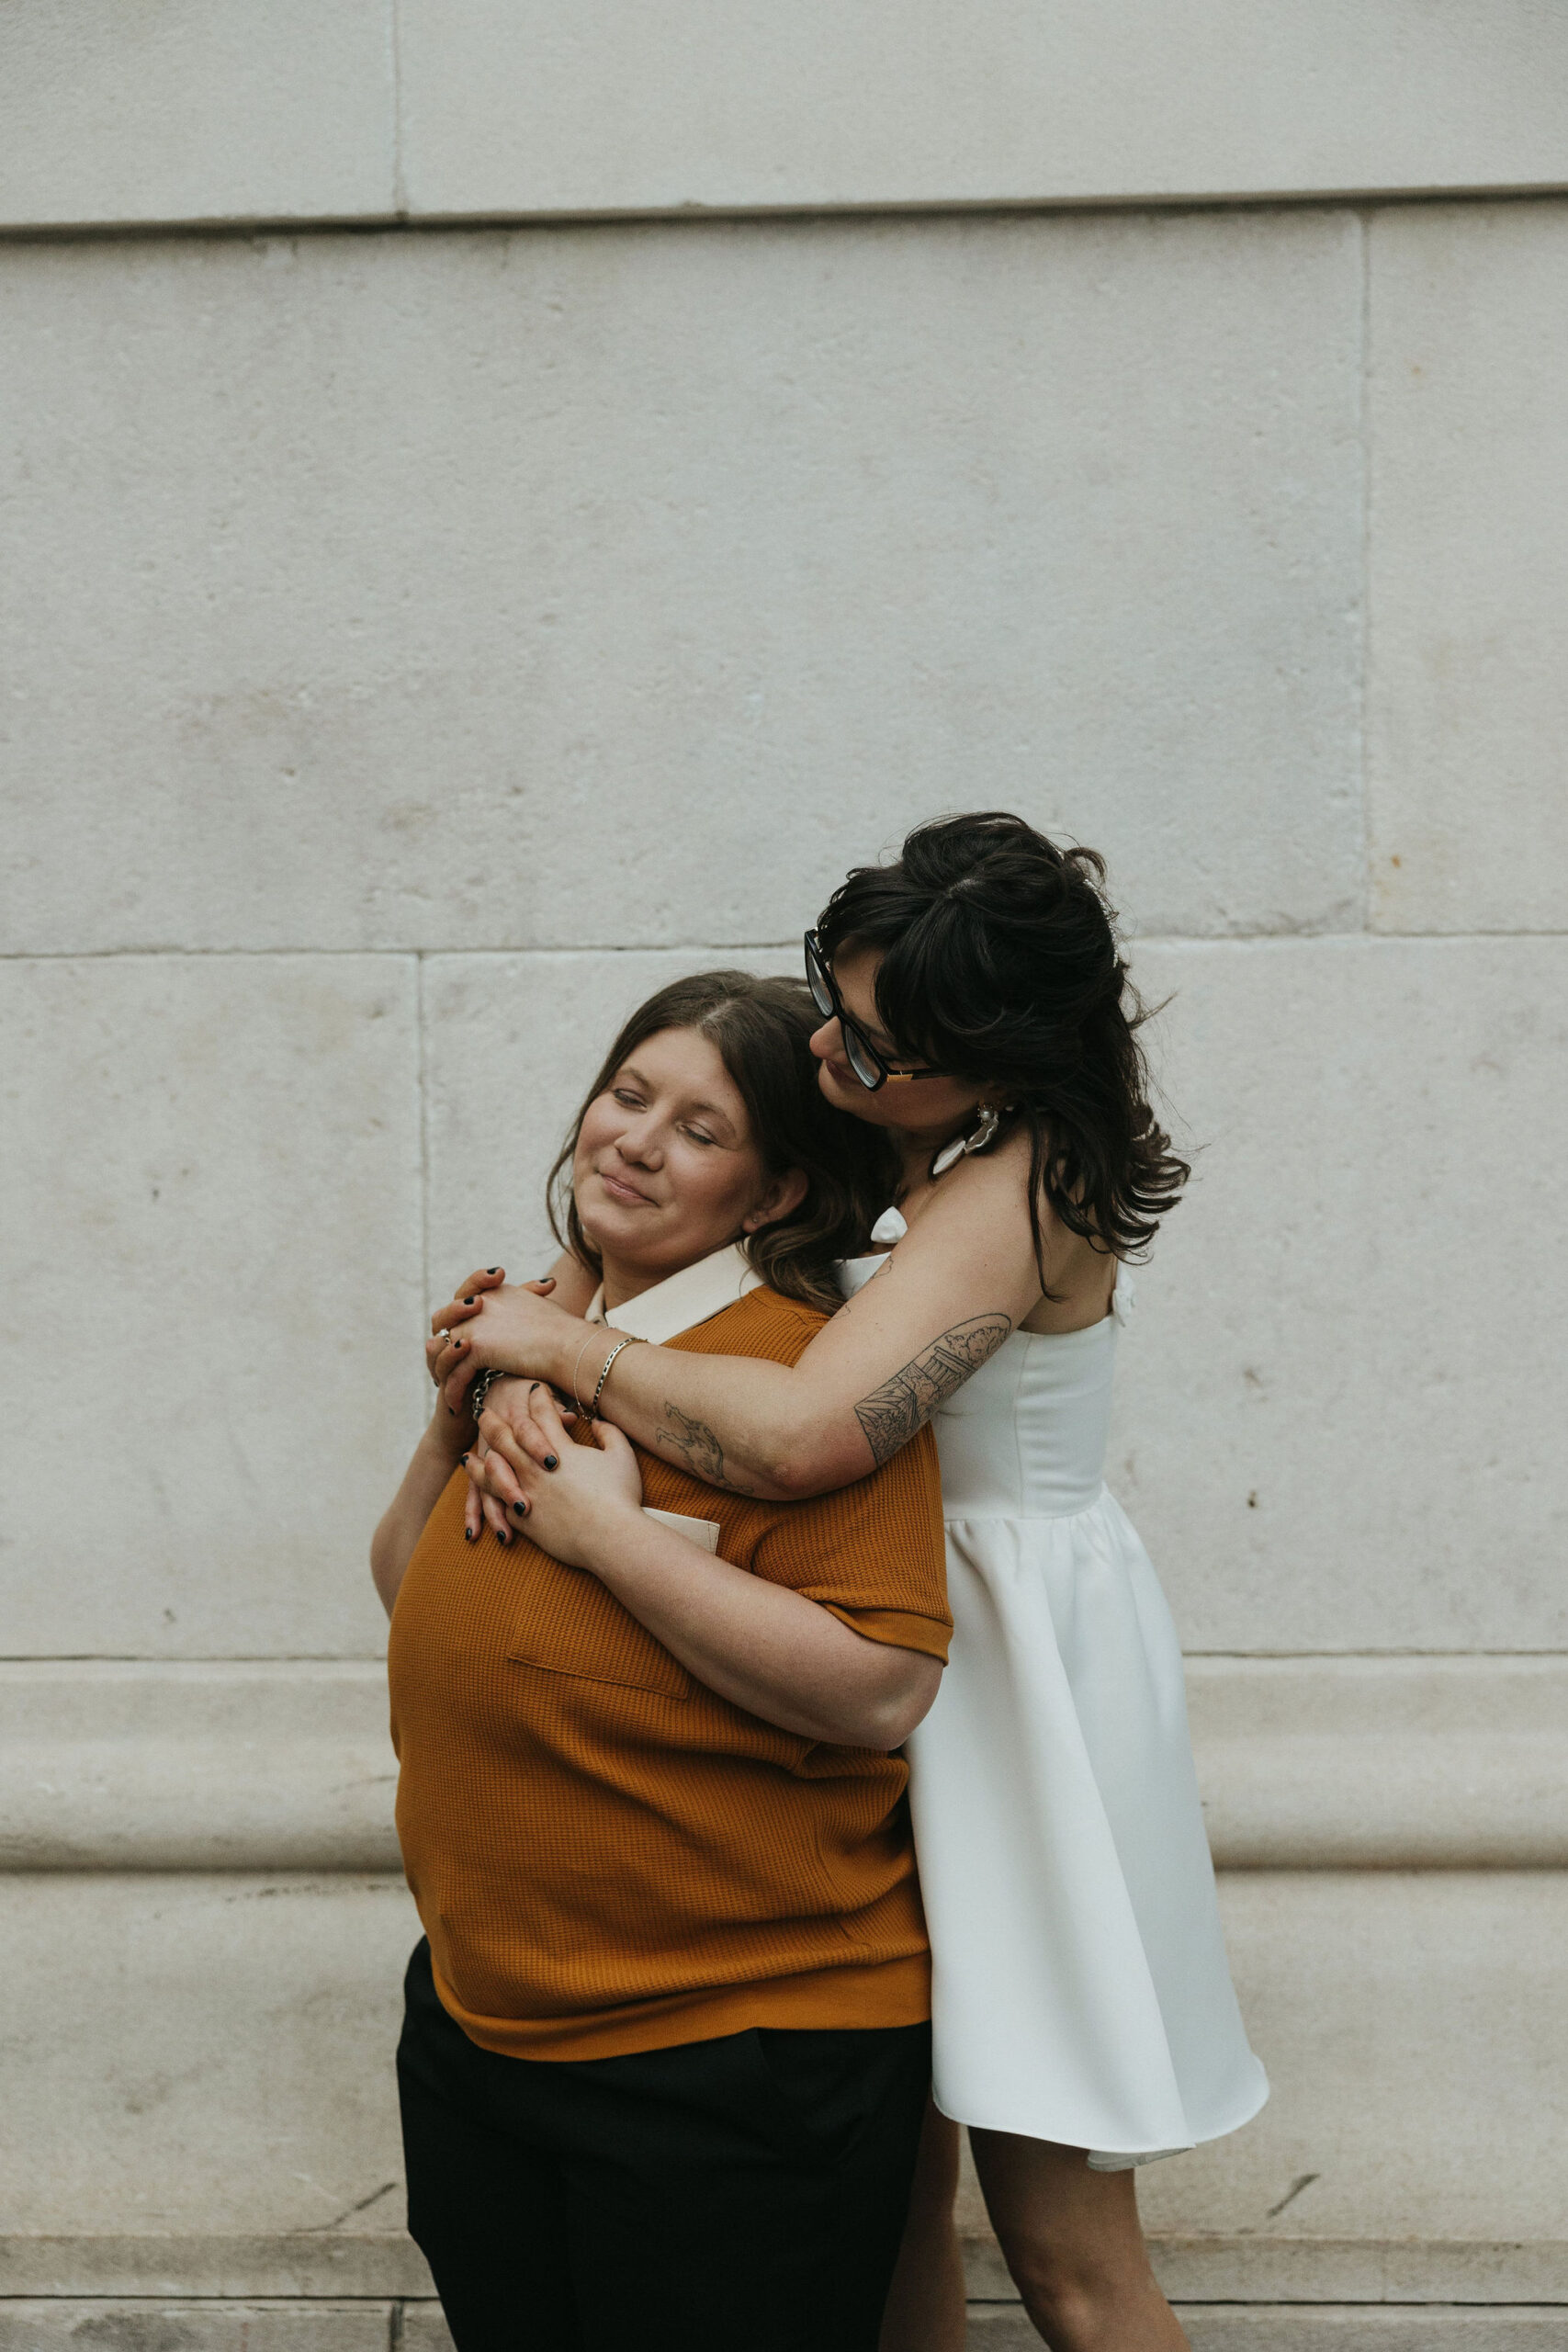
(963, 1146)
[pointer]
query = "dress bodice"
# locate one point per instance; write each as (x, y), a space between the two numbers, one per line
(1025, 1436)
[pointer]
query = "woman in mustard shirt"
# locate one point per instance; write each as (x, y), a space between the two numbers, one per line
(666, 2051)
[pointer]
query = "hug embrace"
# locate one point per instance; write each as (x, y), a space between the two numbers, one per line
(794, 1757)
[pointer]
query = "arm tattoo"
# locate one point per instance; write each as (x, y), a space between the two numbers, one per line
(891, 1414)
(695, 1447)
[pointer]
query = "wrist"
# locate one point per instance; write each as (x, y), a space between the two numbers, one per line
(606, 1527)
(565, 1348)
(449, 1437)
(595, 1359)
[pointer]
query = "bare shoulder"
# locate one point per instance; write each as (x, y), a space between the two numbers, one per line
(969, 1250)
(985, 1196)
(979, 1215)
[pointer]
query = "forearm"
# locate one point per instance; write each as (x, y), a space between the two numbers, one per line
(403, 1523)
(752, 1427)
(764, 1647)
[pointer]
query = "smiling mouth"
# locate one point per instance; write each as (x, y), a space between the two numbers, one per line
(620, 1190)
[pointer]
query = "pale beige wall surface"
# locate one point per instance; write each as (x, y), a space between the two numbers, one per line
(418, 646)
(440, 108)
(543, 108)
(211, 1175)
(1382, 2002)
(1339, 1416)
(195, 110)
(448, 566)
(227, 2067)
(1468, 570)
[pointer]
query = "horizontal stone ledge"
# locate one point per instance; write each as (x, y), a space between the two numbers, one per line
(1390, 1763)
(1322, 1763)
(1357, 2271)
(1323, 2327)
(1262, 197)
(277, 1765)
(187, 2324)
(309, 2325)
(1191, 2270)
(1329, 2271)
(304, 2263)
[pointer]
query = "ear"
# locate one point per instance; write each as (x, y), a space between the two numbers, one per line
(783, 1195)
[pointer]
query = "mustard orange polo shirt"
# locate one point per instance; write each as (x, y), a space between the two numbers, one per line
(606, 1855)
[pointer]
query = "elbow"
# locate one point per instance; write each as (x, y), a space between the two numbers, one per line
(814, 1457)
(787, 1478)
(901, 1709)
(899, 1722)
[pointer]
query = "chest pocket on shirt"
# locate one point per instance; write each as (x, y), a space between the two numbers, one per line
(567, 1622)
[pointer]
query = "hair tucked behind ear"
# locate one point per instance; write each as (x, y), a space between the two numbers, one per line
(760, 1028)
(1000, 961)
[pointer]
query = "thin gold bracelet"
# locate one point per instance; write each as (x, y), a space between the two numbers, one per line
(576, 1399)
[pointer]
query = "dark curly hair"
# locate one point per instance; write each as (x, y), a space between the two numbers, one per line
(1000, 961)
(761, 1028)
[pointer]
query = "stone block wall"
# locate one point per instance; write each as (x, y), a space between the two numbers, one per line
(501, 508)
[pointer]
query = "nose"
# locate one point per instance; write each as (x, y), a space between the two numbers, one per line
(828, 1043)
(639, 1142)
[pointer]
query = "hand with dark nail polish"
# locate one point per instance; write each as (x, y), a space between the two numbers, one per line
(492, 1270)
(521, 1509)
(552, 1462)
(468, 1302)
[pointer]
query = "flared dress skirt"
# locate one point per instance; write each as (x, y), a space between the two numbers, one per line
(1081, 1992)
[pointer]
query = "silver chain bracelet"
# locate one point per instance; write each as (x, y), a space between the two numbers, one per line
(604, 1376)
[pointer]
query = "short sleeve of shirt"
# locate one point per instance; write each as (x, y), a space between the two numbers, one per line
(873, 1553)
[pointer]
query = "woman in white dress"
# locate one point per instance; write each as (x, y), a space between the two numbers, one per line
(976, 1007)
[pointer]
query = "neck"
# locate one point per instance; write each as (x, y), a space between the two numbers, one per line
(918, 1146)
(623, 1279)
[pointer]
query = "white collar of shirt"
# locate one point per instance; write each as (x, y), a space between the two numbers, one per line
(681, 1300)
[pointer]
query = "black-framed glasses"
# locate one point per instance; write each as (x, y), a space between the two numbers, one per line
(862, 1055)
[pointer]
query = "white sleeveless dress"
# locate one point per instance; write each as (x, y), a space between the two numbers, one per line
(1080, 1991)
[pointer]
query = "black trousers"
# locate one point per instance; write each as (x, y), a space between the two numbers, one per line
(741, 2195)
